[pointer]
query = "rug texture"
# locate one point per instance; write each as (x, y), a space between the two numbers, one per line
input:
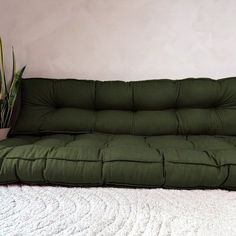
(35, 210)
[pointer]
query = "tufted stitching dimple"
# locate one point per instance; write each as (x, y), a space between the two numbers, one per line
(227, 176)
(220, 127)
(73, 137)
(190, 141)
(177, 85)
(163, 166)
(179, 123)
(44, 170)
(211, 155)
(16, 164)
(146, 142)
(101, 157)
(45, 164)
(178, 117)
(44, 117)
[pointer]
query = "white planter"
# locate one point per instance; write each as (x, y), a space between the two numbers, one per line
(3, 133)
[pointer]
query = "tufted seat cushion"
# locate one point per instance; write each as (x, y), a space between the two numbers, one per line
(120, 160)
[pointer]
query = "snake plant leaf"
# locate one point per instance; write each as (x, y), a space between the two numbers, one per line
(16, 82)
(3, 77)
(8, 96)
(1, 88)
(15, 76)
(15, 86)
(13, 66)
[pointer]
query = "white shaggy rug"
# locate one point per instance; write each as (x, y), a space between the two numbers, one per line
(27, 210)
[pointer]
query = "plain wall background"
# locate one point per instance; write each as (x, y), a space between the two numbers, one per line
(121, 39)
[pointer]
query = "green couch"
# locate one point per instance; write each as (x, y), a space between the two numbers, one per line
(156, 133)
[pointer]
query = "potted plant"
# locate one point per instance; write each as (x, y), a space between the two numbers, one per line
(8, 93)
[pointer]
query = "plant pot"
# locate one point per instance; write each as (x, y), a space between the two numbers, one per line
(3, 133)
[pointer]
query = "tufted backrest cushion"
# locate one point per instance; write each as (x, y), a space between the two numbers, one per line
(152, 107)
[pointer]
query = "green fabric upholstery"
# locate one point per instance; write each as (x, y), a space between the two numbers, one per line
(156, 133)
(155, 107)
(120, 160)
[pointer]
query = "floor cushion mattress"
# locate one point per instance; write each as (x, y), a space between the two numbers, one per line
(96, 159)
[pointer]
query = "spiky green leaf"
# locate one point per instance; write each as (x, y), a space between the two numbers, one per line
(8, 97)
(2, 70)
(13, 66)
(13, 94)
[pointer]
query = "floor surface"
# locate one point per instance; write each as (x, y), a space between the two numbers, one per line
(35, 210)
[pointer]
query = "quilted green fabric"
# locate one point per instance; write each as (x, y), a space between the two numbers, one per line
(120, 160)
(156, 133)
(155, 107)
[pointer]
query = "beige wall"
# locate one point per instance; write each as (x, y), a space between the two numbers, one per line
(122, 39)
